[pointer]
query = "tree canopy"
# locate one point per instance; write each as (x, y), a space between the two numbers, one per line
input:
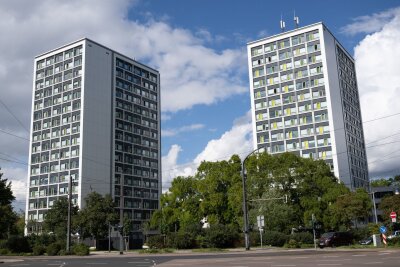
(8, 217)
(214, 194)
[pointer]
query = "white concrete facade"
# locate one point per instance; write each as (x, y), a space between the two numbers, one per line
(304, 99)
(95, 120)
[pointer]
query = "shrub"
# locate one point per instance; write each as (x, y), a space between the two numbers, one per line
(80, 249)
(293, 244)
(303, 237)
(156, 241)
(221, 236)
(38, 250)
(181, 240)
(53, 249)
(360, 233)
(18, 244)
(4, 251)
(43, 239)
(394, 241)
(274, 238)
(3, 244)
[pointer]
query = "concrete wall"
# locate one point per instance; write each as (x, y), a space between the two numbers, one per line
(96, 126)
(335, 108)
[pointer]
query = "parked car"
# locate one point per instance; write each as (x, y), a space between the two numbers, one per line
(366, 241)
(333, 239)
(395, 234)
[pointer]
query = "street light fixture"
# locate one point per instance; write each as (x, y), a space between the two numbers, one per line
(245, 211)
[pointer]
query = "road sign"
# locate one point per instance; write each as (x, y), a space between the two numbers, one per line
(260, 221)
(393, 215)
(382, 229)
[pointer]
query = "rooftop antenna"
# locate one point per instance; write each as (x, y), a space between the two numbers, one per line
(282, 24)
(296, 20)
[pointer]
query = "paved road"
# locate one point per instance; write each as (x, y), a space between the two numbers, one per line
(265, 258)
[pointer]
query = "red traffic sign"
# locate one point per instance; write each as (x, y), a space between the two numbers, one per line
(393, 215)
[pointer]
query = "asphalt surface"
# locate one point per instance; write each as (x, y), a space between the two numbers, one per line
(255, 258)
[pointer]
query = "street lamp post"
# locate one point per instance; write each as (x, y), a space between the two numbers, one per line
(373, 200)
(245, 211)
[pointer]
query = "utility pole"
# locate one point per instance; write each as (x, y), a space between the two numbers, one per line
(109, 238)
(313, 228)
(245, 212)
(69, 214)
(121, 225)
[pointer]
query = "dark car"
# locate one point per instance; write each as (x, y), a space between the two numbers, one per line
(333, 239)
(366, 241)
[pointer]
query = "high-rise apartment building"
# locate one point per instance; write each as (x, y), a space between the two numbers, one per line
(95, 120)
(305, 100)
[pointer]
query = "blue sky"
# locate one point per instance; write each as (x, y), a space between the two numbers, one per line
(200, 49)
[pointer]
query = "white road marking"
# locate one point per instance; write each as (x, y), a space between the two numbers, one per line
(331, 256)
(97, 263)
(20, 264)
(380, 254)
(302, 257)
(376, 262)
(284, 265)
(329, 264)
(359, 255)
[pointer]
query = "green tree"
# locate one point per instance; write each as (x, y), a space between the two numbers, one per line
(309, 186)
(219, 186)
(389, 204)
(94, 218)
(179, 206)
(7, 215)
(381, 182)
(56, 219)
(350, 208)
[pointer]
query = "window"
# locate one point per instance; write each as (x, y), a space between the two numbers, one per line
(316, 70)
(300, 62)
(286, 66)
(292, 146)
(312, 36)
(257, 62)
(291, 134)
(291, 121)
(258, 83)
(298, 39)
(324, 141)
(272, 69)
(271, 58)
(258, 73)
(308, 144)
(299, 51)
(285, 55)
(306, 132)
(272, 80)
(256, 51)
(314, 59)
(313, 48)
(270, 47)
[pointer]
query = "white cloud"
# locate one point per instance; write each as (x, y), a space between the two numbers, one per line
(171, 169)
(176, 131)
(377, 62)
(192, 73)
(371, 23)
(238, 140)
